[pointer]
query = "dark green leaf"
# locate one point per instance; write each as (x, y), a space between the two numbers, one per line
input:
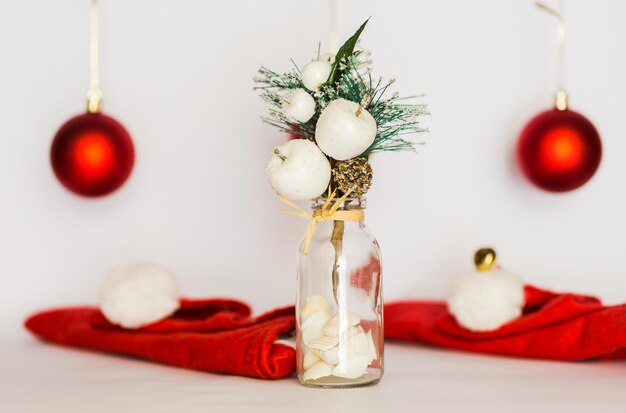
(344, 51)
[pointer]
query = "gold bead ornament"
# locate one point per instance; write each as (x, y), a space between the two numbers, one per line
(485, 259)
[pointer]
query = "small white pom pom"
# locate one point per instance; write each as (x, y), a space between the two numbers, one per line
(139, 294)
(487, 299)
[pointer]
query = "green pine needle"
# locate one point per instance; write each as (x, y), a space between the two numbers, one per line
(350, 79)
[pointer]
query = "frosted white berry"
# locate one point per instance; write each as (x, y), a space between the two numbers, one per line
(299, 106)
(298, 170)
(139, 294)
(486, 300)
(342, 131)
(328, 57)
(314, 73)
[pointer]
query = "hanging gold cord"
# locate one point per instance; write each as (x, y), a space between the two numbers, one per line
(560, 98)
(94, 96)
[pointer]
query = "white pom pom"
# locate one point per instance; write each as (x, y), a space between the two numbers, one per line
(314, 73)
(486, 300)
(139, 294)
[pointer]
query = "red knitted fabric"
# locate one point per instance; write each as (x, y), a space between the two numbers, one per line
(554, 326)
(220, 336)
(211, 335)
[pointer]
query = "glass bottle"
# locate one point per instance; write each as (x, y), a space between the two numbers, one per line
(339, 305)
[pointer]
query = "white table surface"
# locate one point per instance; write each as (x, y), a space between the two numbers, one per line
(36, 377)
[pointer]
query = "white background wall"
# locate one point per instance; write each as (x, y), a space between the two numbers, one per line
(178, 75)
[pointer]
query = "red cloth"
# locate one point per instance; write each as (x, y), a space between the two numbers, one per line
(554, 326)
(221, 336)
(211, 335)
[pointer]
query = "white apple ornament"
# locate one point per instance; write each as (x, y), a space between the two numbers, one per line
(345, 129)
(329, 57)
(298, 170)
(299, 106)
(314, 73)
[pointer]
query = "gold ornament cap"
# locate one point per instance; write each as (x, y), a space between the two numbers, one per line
(485, 259)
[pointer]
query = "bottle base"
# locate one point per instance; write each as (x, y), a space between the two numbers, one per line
(332, 382)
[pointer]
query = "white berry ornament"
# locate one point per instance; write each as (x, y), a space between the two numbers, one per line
(298, 170)
(299, 106)
(345, 129)
(139, 294)
(314, 73)
(328, 57)
(488, 298)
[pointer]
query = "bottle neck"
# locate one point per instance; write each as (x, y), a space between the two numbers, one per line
(349, 204)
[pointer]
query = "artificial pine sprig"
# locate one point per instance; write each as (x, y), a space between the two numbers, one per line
(274, 88)
(350, 79)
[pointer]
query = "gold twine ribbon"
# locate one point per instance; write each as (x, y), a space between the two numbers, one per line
(325, 213)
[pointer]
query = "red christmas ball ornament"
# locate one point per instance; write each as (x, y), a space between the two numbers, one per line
(92, 154)
(559, 150)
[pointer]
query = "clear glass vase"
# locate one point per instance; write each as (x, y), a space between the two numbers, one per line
(339, 305)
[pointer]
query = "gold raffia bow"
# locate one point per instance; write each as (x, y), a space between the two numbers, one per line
(327, 212)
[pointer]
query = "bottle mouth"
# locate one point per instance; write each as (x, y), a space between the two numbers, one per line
(346, 205)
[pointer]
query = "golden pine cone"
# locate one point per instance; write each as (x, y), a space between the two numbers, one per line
(355, 174)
